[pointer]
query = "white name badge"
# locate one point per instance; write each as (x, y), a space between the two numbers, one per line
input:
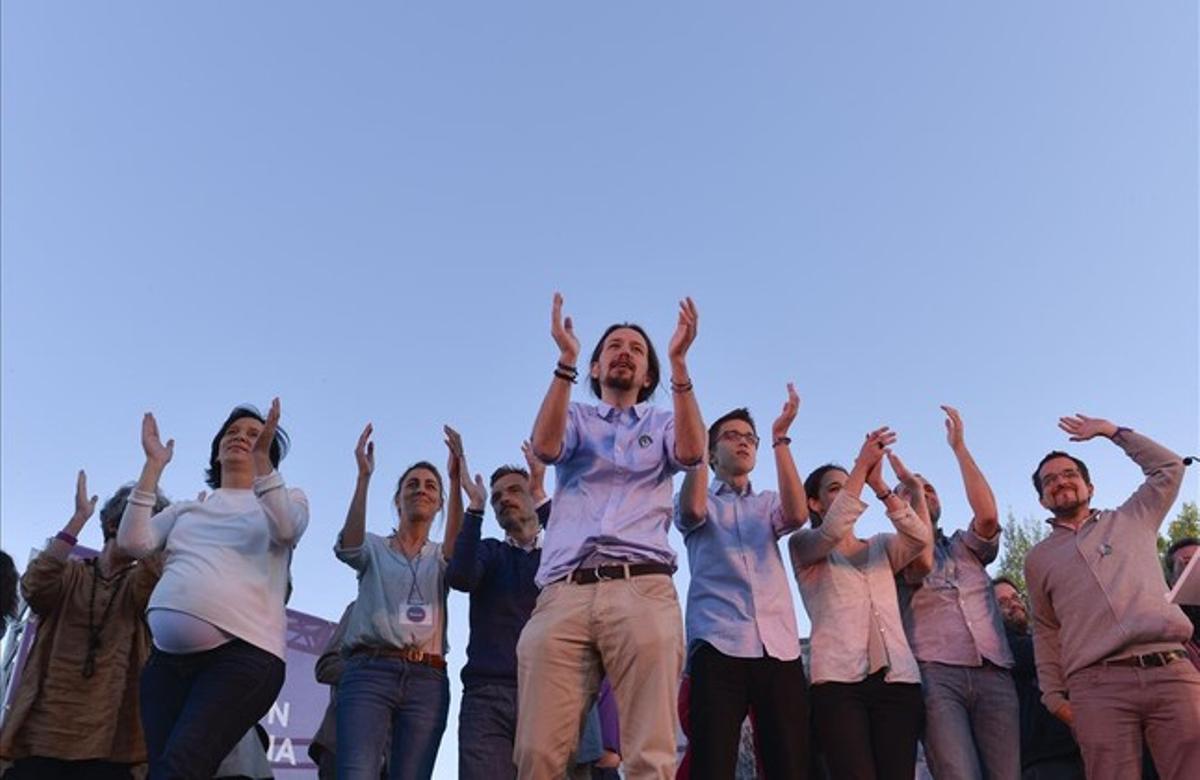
(416, 615)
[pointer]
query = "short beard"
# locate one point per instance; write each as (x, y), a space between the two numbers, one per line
(619, 383)
(1069, 510)
(1018, 626)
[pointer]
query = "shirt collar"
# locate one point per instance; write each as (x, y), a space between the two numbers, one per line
(719, 486)
(1053, 521)
(536, 544)
(639, 410)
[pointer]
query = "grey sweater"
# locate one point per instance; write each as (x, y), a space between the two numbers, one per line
(1099, 592)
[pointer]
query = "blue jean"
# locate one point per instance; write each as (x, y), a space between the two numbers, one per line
(487, 726)
(378, 694)
(972, 727)
(197, 706)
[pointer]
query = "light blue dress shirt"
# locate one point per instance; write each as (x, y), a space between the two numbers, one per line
(739, 600)
(613, 496)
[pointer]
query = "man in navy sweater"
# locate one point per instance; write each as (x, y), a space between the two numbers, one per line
(499, 576)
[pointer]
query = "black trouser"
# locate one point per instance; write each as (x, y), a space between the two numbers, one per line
(868, 730)
(37, 768)
(724, 690)
(196, 706)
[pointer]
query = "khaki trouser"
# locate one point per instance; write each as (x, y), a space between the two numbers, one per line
(632, 631)
(1115, 706)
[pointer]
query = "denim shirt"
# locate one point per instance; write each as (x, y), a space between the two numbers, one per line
(613, 494)
(738, 599)
(951, 616)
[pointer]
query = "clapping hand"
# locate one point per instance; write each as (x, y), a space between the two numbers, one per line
(456, 466)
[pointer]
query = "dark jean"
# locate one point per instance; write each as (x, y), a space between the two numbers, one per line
(197, 706)
(724, 690)
(37, 768)
(377, 694)
(972, 723)
(868, 730)
(487, 726)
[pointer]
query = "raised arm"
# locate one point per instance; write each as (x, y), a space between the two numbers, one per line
(910, 549)
(551, 424)
(985, 520)
(1163, 468)
(811, 545)
(537, 474)
(137, 536)
(354, 530)
(286, 510)
(42, 586)
(460, 479)
(792, 500)
(691, 440)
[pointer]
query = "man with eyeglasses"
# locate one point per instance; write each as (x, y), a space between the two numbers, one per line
(743, 645)
(956, 633)
(1109, 647)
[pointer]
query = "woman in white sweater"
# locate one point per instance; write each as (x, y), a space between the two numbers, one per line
(866, 688)
(217, 615)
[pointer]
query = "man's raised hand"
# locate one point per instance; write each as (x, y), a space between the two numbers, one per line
(1081, 427)
(783, 422)
(563, 331)
(685, 330)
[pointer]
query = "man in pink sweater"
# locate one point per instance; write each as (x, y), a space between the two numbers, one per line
(1109, 647)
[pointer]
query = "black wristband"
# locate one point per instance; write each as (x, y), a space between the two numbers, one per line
(681, 387)
(569, 369)
(784, 440)
(563, 375)
(884, 495)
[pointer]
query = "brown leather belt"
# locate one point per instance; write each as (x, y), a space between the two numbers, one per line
(615, 572)
(1148, 660)
(412, 656)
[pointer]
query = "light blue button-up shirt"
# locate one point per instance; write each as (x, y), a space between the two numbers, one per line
(613, 496)
(739, 600)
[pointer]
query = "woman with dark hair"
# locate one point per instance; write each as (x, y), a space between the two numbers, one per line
(217, 615)
(394, 682)
(866, 687)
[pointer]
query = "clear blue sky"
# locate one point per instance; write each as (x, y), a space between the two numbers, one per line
(365, 209)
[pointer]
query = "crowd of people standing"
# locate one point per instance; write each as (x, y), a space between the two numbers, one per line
(168, 647)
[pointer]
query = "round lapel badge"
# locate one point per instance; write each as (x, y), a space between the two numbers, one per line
(416, 613)
(645, 440)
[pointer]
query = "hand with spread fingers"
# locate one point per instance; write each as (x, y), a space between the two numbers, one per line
(1081, 427)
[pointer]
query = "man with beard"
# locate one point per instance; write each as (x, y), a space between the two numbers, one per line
(499, 576)
(1178, 556)
(607, 600)
(1048, 751)
(1110, 657)
(956, 634)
